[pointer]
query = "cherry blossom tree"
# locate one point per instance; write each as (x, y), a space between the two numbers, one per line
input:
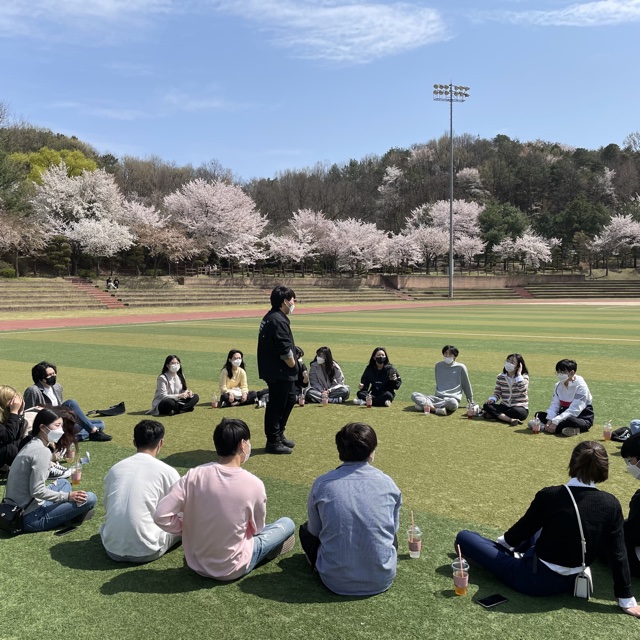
(430, 242)
(61, 202)
(220, 215)
(20, 236)
(469, 182)
(399, 251)
(468, 247)
(286, 249)
(100, 238)
(530, 248)
(355, 246)
(620, 235)
(390, 197)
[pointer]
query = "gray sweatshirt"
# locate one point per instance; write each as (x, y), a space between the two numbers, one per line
(319, 379)
(28, 474)
(452, 380)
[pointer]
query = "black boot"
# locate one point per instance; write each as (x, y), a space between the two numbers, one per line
(286, 442)
(277, 447)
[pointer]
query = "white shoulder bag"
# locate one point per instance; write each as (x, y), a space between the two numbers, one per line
(583, 587)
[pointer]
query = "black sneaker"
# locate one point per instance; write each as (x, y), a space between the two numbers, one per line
(99, 436)
(277, 448)
(287, 443)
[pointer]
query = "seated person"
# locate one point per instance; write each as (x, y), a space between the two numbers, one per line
(510, 400)
(46, 391)
(45, 507)
(326, 375)
(379, 379)
(354, 513)
(303, 374)
(570, 411)
(541, 554)
(172, 395)
(132, 489)
(220, 511)
(631, 454)
(452, 378)
(11, 424)
(234, 389)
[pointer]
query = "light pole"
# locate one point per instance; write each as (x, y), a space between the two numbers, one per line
(450, 93)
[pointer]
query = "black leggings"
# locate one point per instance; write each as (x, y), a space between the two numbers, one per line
(583, 423)
(170, 407)
(492, 411)
(379, 400)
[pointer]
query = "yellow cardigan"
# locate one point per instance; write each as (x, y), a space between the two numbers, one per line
(239, 379)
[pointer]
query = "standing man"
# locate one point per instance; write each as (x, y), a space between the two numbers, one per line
(132, 490)
(278, 367)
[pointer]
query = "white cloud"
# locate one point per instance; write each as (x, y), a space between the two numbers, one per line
(111, 113)
(349, 31)
(585, 14)
(186, 102)
(24, 17)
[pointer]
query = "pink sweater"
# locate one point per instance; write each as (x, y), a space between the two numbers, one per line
(217, 509)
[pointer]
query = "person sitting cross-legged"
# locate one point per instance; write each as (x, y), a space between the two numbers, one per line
(47, 391)
(220, 509)
(132, 489)
(354, 510)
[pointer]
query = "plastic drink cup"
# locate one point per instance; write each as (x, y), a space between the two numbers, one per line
(214, 401)
(536, 426)
(607, 432)
(76, 475)
(460, 577)
(426, 409)
(471, 413)
(414, 537)
(301, 400)
(325, 398)
(369, 400)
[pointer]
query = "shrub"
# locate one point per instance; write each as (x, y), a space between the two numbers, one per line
(8, 272)
(87, 273)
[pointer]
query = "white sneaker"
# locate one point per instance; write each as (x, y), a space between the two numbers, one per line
(441, 411)
(476, 409)
(358, 401)
(570, 431)
(57, 471)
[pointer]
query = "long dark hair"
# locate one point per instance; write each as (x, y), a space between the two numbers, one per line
(520, 361)
(227, 364)
(372, 360)
(43, 417)
(328, 365)
(69, 421)
(180, 373)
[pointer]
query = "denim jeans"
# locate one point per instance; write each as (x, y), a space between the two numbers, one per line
(269, 538)
(86, 425)
(53, 514)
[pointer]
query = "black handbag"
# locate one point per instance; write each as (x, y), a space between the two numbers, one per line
(115, 410)
(11, 516)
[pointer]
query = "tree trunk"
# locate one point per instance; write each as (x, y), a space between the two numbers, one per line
(17, 264)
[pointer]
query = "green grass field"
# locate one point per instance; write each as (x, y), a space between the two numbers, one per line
(453, 473)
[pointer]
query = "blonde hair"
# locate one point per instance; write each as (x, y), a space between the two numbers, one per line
(7, 394)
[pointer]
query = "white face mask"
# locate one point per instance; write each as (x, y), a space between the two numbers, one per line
(633, 470)
(563, 377)
(174, 368)
(319, 359)
(54, 436)
(237, 362)
(448, 360)
(291, 306)
(299, 360)
(248, 453)
(509, 367)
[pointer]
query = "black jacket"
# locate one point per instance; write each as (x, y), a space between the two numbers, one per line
(275, 344)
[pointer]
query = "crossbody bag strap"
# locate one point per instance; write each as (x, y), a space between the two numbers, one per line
(582, 539)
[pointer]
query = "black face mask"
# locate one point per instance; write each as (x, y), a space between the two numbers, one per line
(381, 359)
(51, 380)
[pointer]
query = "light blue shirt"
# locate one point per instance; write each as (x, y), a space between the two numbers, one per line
(355, 512)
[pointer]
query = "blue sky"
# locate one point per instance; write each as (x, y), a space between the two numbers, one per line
(267, 85)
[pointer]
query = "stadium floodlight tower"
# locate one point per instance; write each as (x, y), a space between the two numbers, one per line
(450, 93)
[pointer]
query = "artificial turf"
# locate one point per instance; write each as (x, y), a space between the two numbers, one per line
(453, 473)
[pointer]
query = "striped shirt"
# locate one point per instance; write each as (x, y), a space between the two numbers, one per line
(512, 392)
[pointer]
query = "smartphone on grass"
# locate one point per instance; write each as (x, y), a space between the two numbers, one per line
(492, 601)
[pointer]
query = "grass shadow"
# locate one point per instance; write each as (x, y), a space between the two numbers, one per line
(85, 555)
(295, 583)
(161, 581)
